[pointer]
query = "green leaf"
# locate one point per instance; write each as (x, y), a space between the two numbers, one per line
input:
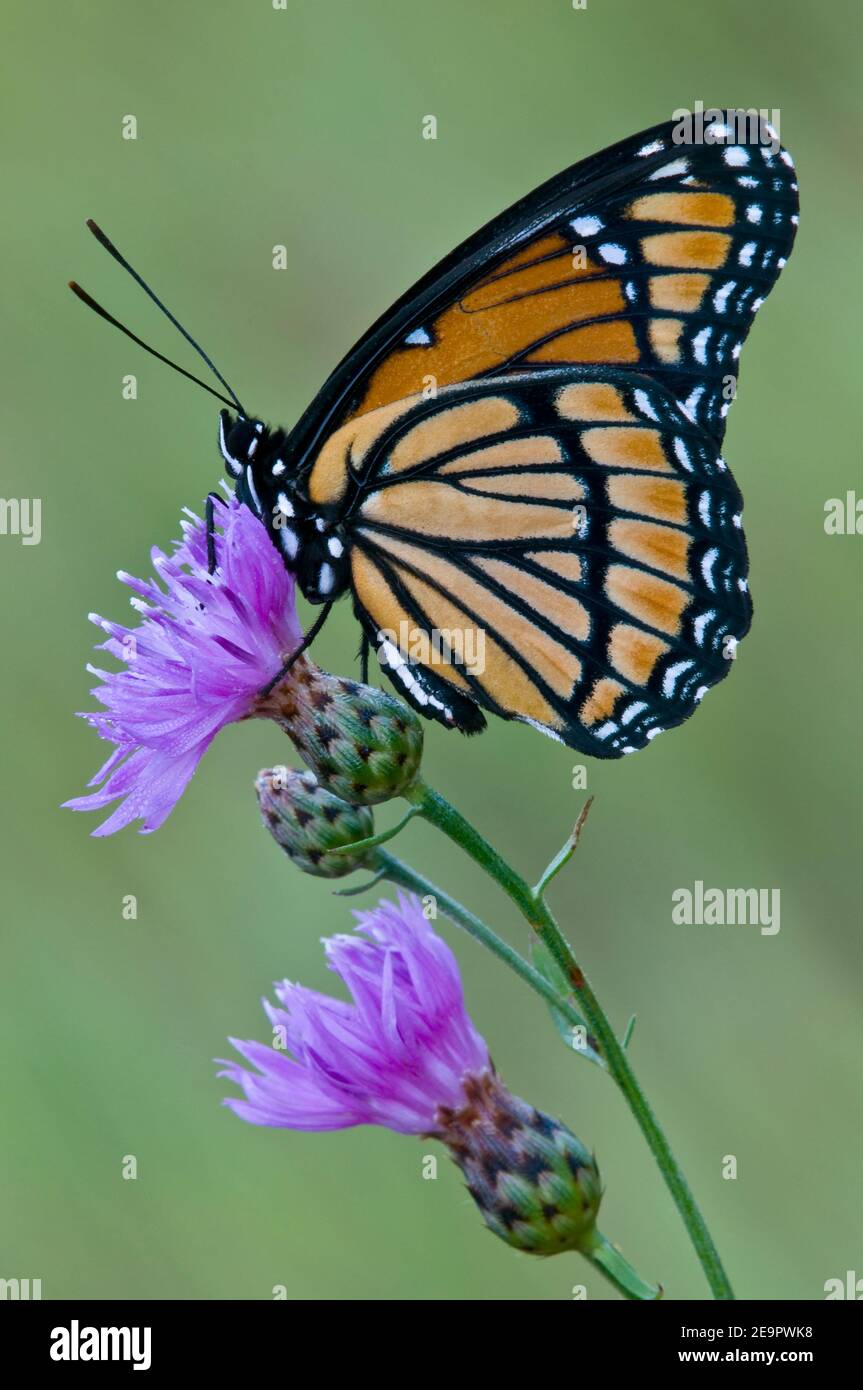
(577, 1037)
(564, 855)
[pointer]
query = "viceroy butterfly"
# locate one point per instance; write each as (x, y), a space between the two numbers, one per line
(526, 447)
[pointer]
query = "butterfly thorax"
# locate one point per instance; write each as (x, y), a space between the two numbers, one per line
(308, 537)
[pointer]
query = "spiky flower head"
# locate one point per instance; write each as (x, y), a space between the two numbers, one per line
(195, 662)
(308, 822)
(204, 650)
(406, 1055)
(363, 744)
(391, 1057)
(534, 1182)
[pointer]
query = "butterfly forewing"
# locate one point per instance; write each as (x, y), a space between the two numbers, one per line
(653, 255)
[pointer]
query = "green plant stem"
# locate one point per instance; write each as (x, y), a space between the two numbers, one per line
(533, 907)
(617, 1269)
(405, 876)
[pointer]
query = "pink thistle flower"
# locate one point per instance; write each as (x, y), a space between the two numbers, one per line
(205, 646)
(402, 1051)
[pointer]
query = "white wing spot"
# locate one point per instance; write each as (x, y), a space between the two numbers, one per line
(707, 563)
(586, 226)
(605, 730)
(701, 623)
(642, 400)
(669, 680)
(699, 345)
(720, 299)
(682, 454)
(669, 171)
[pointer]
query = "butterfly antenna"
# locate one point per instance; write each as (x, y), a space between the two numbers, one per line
(109, 318)
(121, 260)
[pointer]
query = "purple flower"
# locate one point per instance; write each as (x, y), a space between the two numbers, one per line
(204, 648)
(404, 1048)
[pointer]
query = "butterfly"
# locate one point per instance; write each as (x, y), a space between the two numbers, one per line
(517, 474)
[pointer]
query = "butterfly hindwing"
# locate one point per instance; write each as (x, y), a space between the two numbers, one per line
(652, 255)
(560, 546)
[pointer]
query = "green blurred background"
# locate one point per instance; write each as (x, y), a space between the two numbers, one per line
(302, 127)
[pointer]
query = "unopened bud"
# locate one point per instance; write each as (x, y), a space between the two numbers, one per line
(535, 1183)
(309, 822)
(363, 744)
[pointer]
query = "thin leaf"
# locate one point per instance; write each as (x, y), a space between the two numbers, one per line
(576, 1036)
(564, 855)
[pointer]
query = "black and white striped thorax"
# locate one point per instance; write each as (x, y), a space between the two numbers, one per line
(309, 538)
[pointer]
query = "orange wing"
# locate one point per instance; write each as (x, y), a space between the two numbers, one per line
(652, 255)
(560, 546)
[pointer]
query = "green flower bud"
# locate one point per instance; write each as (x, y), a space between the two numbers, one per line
(363, 744)
(309, 822)
(536, 1185)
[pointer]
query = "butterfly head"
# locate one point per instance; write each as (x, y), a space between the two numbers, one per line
(307, 537)
(240, 438)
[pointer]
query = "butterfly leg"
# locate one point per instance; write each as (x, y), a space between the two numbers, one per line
(364, 659)
(304, 645)
(209, 515)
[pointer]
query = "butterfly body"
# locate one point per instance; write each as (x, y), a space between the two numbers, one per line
(308, 537)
